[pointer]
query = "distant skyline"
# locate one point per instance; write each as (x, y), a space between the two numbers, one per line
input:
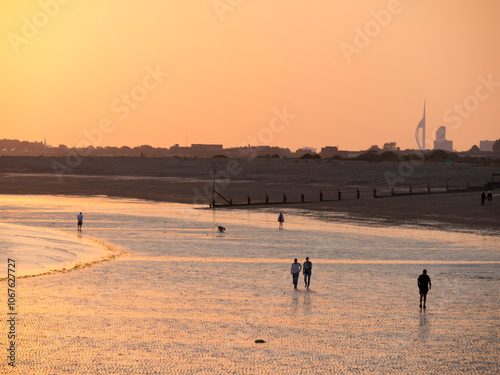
(484, 145)
(288, 74)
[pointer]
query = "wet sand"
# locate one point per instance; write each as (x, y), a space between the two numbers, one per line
(187, 300)
(183, 300)
(186, 317)
(190, 181)
(42, 250)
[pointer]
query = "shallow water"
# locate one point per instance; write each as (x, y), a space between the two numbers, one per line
(187, 299)
(40, 250)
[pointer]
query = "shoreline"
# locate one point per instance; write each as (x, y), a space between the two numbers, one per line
(191, 182)
(115, 253)
(380, 215)
(81, 251)
(359, 212)
(211, 295)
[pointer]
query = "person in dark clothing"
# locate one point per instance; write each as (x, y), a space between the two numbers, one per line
(79, 217)
(483, 198)
(424, 285)
(295, 271)
(307, 269)
(281, 220)
(490, 197)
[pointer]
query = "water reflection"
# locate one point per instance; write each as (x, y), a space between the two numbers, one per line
(213, 297)
(307, 302)
(424, 326)
(41, 250)
(295, 301)
(302, 301)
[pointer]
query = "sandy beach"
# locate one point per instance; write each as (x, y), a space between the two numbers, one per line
(182, 298)
(149, 152)
(185, 299)
(190, 181)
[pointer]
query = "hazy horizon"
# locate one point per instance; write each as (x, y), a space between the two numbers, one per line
(292, 75)
(318, 149)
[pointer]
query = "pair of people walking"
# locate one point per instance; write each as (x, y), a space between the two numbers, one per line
(306, 270)
(423, 281)
(489, 197)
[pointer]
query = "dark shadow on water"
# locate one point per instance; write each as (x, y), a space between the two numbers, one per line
(295, 300)
(302, 300)
(424, 325)
(307, 302)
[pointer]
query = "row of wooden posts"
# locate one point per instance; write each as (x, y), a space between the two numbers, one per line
(302, 198)
(410, 191)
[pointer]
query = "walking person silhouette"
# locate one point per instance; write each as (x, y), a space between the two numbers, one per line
(281, 220)
(424, 285)
(80, 221)
(307, 269)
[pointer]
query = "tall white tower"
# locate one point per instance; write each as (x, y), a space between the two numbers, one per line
(420, 132)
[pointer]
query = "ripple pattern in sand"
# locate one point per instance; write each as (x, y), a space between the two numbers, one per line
(192, 317)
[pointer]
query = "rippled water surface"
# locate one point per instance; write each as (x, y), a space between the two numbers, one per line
(187, 299)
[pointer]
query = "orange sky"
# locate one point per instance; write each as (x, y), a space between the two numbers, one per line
(68, 66)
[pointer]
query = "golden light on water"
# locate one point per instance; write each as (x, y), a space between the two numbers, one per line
(184, 299)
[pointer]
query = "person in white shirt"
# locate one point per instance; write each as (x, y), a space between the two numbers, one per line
(80, 221)
(295, 271)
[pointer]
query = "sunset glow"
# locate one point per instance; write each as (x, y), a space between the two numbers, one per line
(348, 73)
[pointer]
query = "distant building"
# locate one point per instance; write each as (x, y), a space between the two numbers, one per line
(420, 132)
(331, 151)
(196, 150)
(441, 143)
(201, 146)
(441, 134)
(486, 146)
